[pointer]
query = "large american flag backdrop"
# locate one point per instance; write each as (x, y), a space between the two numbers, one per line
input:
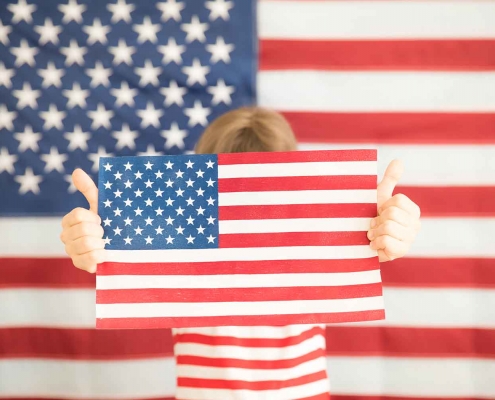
(80, 79)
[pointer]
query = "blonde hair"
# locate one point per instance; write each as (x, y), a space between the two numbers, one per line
(247, 129)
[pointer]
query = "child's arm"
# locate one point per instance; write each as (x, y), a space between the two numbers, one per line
(82, 233)
(397, 224)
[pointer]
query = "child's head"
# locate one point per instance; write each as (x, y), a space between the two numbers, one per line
(247, 129)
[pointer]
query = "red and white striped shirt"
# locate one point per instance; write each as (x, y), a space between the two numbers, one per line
(261, 362)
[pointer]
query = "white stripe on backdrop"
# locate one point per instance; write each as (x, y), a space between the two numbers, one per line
(372, 20)
(446, 377)
(460, 237)
(377, 91)
(76, 379)
(411, 307)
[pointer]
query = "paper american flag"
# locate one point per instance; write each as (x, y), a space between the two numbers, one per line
(238, 239)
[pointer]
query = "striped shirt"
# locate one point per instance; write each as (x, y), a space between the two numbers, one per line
(261, 362)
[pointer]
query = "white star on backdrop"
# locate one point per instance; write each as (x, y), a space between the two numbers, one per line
(51, 75)
(4, 33)
(148, 74)
(22, 11)
(195, 30)
(147, 31)
(48, 32)
(24, 54)
(125, 138)
(77, 139)
(54, 160)
(122, 53)
(53, 117)
(150, 116)
(72, 11)
(125, 95)
(173, 94)
(97, 32)
(99, 75)
(174, 136)
(196, 73)
(172, 51)
(7, 161)
(28, 139)
(72, 187)
(27, 97)
(29, 182)
(219, 9)
(74, 54)
(170, 9)
(6, 117)
(220, 51)
(6, 76)
(198, 114)
(101, 117)
(95, 157)
(221, 93)
(121, 11)
(76, 96)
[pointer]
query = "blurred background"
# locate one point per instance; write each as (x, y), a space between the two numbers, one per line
(80, 79)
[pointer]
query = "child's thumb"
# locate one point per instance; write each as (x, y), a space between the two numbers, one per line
(87, 187)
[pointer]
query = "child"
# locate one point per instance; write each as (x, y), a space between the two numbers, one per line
(262, 362)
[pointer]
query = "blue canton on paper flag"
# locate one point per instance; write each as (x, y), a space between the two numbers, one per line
(83, 79)
(159, 202)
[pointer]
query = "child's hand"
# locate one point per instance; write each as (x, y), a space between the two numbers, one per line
(397, 224)
(81, 229)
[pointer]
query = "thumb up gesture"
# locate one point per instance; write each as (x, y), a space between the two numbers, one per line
(397, 224)
(82, 233)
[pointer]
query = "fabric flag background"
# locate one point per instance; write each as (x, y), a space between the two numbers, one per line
(414, 78)
(242, 239)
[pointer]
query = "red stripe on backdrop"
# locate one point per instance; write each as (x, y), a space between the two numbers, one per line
(440, 272)
(114, 296)
(269, 320)
(248, 342)
(357, 210)
(88, 344)
(383, 55)
(242, 240)
(426, 272)
(249, 364)
(286, 183)
(258, 385)
(363, 397)
(84, 344)
(297, 156)
(43, 272)
(410, 342)
(401, 128)
(240, 267)
(459, 201)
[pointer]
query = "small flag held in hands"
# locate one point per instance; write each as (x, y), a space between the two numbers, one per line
(238, 239)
